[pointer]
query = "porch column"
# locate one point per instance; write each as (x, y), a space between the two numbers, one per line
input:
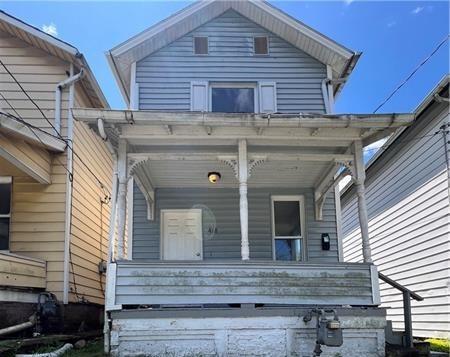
(360, 176)
(121, 197)
(243, 203)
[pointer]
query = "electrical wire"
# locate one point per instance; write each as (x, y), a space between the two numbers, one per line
(413, 72)
(69, 144)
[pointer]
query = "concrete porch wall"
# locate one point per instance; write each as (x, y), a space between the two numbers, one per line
(263, 335)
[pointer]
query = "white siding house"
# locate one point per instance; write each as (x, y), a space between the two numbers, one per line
(407, 188)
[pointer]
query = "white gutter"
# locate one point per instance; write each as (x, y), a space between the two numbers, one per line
(68, 215)
(58, 94)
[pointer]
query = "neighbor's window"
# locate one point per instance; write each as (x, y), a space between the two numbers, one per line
(201, 45)
(261, 45)
(287, 221)
(5, 211)
(233, 99)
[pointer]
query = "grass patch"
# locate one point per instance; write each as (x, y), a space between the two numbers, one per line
(93, 349)
(439, 345)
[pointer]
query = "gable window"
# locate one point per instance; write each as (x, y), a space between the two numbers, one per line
(288, 228)
(5, 211)
(233, 98)
(261, 45)
(201, 45)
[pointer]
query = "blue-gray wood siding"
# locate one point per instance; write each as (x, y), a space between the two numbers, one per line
(223, 205)
(164, 77)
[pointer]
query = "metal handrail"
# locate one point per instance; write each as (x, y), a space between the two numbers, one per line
(407, 295)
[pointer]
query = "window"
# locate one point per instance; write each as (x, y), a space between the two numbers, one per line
(201, 45)
(261, 45)
(233, 98)
(5, 211)
(288, 228)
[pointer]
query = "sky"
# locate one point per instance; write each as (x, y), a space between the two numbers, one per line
(394, 38)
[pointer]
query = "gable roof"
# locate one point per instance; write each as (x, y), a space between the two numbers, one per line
(339, 58)
(442, 89)
(54, 47)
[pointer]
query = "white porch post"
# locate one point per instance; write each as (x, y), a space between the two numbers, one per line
(121, 197)
(360, 176)
(243, 202)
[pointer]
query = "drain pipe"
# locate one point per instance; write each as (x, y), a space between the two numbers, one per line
(111, 232)
(19, 327)
(68, 209)
(58, 95)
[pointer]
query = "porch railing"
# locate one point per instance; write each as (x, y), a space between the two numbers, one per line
(407, 296)
(203, 283)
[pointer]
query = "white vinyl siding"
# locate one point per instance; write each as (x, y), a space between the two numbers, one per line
(408, 206)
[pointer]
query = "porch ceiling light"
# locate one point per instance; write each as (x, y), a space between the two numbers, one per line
(214, 177)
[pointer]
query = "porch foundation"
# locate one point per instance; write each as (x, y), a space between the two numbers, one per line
(242, 332)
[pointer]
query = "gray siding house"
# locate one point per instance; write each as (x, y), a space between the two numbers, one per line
(224, 236)
(407, 187)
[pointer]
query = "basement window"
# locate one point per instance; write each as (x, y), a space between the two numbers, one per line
(261, 45)
(200, 45)
(5, 211)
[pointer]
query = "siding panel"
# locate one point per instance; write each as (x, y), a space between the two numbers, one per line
(164, 77)
(221, 210)
(408, 206)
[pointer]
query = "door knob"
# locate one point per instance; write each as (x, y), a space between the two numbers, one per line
(198, 254)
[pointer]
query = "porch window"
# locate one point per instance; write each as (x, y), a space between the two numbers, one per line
(288, 227)
(5, 211)
(233, 98)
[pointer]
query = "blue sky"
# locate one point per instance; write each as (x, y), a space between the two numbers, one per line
(393, 36)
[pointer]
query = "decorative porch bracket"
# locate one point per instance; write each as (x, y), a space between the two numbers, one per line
(136, 170)
(242, 167)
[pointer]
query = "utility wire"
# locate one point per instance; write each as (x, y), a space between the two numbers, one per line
(413, 72)
(69, 144)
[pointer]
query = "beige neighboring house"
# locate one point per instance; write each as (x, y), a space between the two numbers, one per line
(53, 230)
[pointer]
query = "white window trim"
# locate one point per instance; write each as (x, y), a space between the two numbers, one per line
(301, 201)
(7, 179)
(161, 224)
(252, 85)
(268, 47)
(207, 46)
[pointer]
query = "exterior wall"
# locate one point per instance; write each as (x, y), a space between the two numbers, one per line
(90, 217)
(408, 207)
(37, 216)
(274, 336)
(164, 77)
(221, 209)
(17, 271)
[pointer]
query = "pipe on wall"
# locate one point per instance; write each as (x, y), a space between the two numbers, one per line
(68, 213)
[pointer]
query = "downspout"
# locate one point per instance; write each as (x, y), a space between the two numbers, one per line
(68, 216)
(58, 95)
(112, 230)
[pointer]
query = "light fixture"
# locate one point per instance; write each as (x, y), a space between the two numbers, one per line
(214, 177)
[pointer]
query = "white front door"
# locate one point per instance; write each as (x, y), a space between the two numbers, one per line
(181, 234)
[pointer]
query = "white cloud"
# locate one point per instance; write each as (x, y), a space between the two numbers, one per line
(391, 24)
(417, 10)
(348, 2)
(50, 29)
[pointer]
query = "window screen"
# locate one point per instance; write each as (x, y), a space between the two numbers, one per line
(261, 45)
(233, 100)
(287, 218)
(201, 45)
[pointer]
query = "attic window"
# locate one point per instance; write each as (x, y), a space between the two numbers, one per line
(261, 45)
(201, 45)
